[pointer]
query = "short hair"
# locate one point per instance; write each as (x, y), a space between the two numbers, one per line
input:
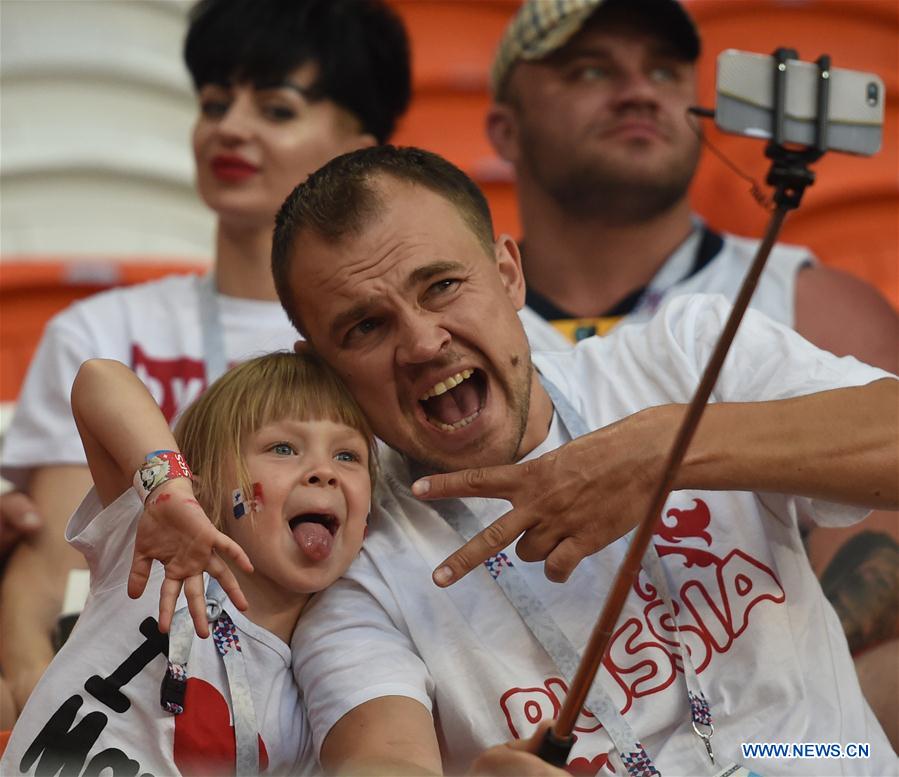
(360, 46)
(212, 430)
(342, 197)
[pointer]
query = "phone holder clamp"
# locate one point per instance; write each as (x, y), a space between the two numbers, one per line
(789, 173)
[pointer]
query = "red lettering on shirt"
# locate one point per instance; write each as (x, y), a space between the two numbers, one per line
(713, 608)
(174, 383)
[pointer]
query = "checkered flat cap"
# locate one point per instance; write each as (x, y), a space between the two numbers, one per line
(543, 26)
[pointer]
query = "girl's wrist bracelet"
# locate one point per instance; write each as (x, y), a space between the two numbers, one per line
(159, 467)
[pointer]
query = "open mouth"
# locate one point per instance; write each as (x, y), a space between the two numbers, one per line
(454, 402)
(322, 519)
(314, 533)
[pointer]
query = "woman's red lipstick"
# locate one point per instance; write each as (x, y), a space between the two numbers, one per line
(232, 168)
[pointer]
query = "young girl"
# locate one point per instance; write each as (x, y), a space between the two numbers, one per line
(283, 466)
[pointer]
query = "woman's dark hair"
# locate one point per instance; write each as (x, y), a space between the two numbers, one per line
(360, 46)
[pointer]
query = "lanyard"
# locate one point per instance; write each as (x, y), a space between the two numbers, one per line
(553, 640)
(700, 713)
(691, 256)
(214, 359)
(227, 645)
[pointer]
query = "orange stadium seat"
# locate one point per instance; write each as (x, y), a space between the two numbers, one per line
(31, 292)
(850, 217)
(453, 43)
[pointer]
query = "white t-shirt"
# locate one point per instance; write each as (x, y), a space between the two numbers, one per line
(775, 295)
(99, 701)
(771, 656)
(155, 329)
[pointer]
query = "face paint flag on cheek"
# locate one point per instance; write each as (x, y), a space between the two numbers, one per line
(240, 506)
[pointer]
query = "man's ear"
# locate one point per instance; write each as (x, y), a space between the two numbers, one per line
(508, 262)
(502, 131)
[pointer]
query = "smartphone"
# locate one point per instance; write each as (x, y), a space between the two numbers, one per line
(745, 102)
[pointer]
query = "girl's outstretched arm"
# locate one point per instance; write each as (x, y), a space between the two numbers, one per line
(120, 423)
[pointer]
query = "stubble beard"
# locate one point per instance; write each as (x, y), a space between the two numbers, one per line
(611, 190)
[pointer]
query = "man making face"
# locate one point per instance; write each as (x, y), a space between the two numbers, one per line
(384, 261)
(408, 335)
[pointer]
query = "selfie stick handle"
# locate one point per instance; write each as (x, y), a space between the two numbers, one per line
(790, 174)
(554, 750)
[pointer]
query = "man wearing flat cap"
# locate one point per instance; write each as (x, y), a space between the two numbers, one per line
(590, 101)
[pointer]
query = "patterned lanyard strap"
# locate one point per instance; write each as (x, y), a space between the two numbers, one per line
(553, 640)
(700, 712)
(214, 359)
(227, 644)
(555, 643)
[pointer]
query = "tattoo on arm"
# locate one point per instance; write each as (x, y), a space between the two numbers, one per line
(862, 584)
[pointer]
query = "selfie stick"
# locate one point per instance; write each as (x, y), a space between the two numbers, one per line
(790, 175)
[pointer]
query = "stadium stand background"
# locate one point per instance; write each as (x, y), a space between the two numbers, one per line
(96, 170)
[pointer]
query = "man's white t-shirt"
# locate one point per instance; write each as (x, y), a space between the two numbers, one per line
(98, 703)
(771, 656)
(775, 294)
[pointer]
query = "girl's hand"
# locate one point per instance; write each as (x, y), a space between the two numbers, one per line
(175, 531)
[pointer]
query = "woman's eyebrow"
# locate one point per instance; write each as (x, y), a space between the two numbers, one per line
(303, 91)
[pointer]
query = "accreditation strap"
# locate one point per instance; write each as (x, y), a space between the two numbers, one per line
(554, 641)
(215, 361)
(700, 711)
(227, 644)
(556, 644)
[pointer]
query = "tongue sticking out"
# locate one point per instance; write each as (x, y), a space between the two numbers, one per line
(455, 404)
(314, 540)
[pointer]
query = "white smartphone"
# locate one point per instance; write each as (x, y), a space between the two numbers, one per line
(745, 102)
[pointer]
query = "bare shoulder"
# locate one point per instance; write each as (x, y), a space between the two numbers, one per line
(388, 735)
(847, 316)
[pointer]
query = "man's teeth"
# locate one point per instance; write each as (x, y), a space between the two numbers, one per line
(445, 385)
(458, 425)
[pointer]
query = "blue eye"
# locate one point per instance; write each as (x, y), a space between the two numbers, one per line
(666, 73)
(283, 449)
(347, 456)
(663, 74)
(592, 73)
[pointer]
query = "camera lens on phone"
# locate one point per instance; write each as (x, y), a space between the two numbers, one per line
(873, 94)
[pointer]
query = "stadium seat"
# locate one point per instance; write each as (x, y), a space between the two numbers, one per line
(849, 217)
(32, 291)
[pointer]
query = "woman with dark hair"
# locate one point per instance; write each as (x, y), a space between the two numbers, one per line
(283, 86)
